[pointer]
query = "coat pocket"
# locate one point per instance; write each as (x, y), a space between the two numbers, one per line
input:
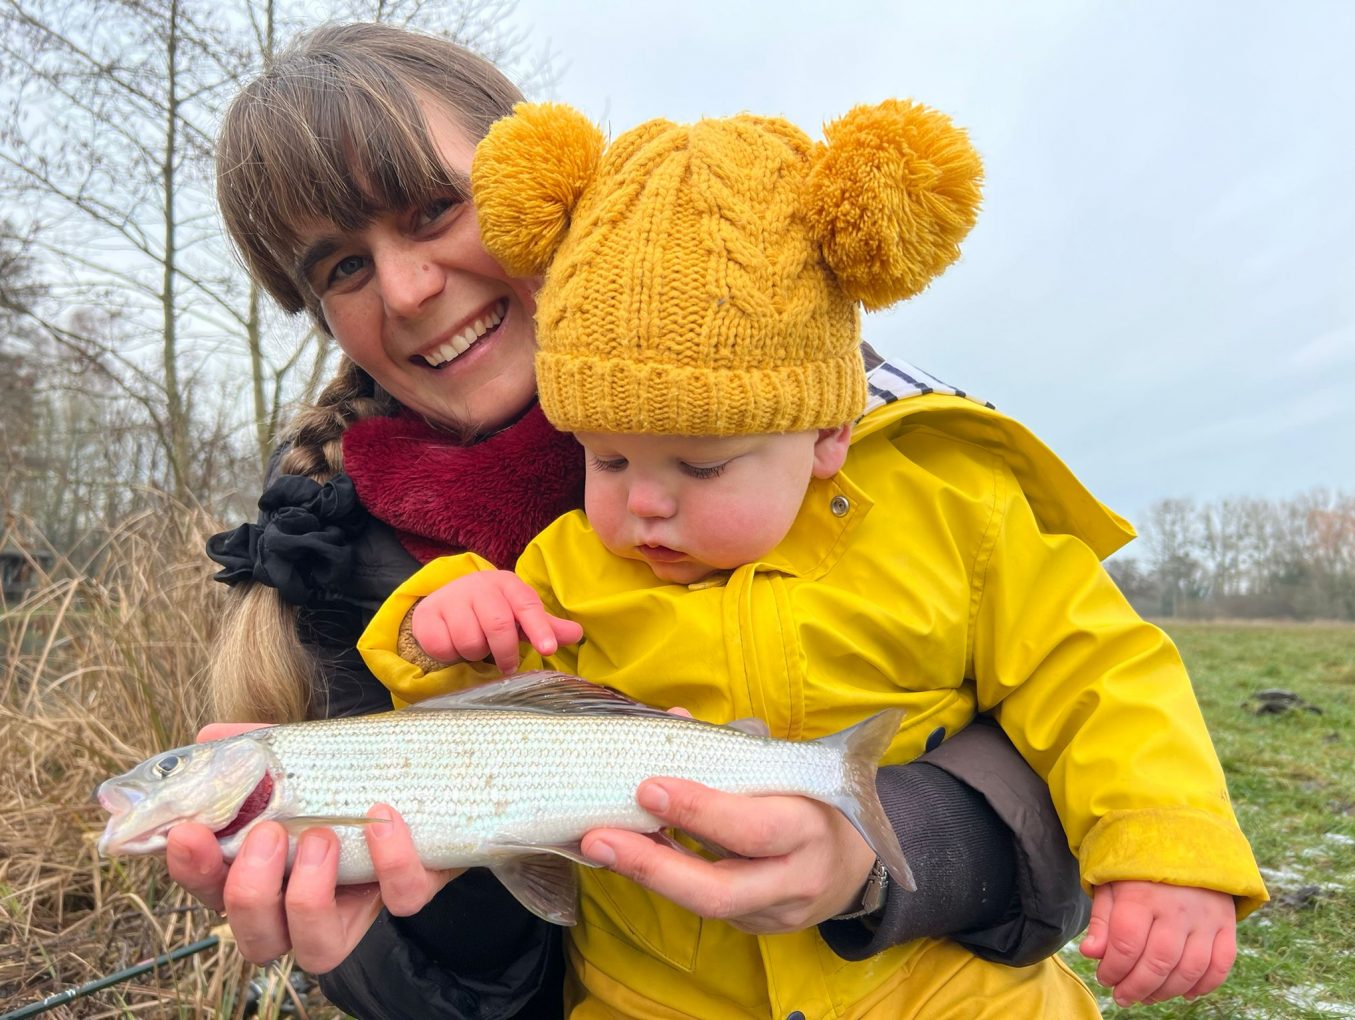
(649, 923)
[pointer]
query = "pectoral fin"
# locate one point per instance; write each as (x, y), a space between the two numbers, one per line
(751, 725)
(544, 883)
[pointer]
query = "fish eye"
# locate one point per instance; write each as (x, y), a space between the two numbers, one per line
(167, 765)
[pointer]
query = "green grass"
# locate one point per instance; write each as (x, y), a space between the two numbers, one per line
(1292, 778)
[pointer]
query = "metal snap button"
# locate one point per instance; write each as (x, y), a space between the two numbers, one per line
(840, 505)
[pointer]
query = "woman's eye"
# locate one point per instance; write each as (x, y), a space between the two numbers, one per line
(349, 265)
(433, 211)
(610, 464)
(704, 470)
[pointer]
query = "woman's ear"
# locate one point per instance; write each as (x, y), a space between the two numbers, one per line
(830, 450)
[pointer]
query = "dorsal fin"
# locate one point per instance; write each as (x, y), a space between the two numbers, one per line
(541, 691)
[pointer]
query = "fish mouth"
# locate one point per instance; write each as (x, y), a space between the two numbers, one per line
(124, 804)
(250, 809)
(136, 827)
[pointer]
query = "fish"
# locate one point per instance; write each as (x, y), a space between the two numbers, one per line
(508, 775)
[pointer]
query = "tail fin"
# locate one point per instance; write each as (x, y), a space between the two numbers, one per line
(862, 746)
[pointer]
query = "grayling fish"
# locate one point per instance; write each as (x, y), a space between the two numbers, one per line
(508, 775)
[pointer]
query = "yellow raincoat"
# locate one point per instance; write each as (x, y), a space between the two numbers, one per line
(951, 567)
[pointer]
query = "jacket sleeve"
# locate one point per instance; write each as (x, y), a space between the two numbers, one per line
(992, 864)
(446, 963)
(1099, 702)
(380, 643)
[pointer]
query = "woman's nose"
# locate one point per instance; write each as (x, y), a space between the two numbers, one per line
(408, 279)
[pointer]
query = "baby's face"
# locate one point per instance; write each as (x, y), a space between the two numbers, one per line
(689, 506)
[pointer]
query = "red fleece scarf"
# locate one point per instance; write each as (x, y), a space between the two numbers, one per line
(441, 497)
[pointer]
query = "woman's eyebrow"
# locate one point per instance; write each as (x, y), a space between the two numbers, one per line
(313, 254)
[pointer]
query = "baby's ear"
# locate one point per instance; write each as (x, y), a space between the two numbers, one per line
(527, 175)
(830, 450)
(891, 193)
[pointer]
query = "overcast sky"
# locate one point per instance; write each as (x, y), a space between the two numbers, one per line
(1161, 283)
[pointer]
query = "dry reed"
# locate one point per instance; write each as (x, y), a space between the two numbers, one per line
(102, 667)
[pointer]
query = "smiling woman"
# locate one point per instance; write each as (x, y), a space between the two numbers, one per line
(342, 178)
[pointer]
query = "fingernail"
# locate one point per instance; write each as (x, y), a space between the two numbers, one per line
(262, 843)
(384, 828)
(653, 797)
(179, 858)
(602, 853)
(312, 851)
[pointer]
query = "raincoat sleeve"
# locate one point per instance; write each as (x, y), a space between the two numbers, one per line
(386, 648)
(411, 676)
(993, 868)
(1099, 702)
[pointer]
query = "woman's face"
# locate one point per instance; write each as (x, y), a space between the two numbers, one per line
(414, 299)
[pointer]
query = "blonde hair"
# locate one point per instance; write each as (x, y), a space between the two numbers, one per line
(333, 132)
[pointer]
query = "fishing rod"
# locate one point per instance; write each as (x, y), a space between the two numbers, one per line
(60, 998)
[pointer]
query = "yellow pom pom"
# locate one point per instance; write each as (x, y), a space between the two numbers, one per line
(526, 177)
(890, 196)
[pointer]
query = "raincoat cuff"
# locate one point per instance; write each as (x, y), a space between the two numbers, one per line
(380, 644)
(1175, 846)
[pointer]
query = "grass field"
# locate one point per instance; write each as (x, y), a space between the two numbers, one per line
(1292, 777)
(100, 674)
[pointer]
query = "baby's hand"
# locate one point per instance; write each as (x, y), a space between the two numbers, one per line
(486, 613)
(1157, 941)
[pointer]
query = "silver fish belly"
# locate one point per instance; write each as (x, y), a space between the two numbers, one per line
(509, 775)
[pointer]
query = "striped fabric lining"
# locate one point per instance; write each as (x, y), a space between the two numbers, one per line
(889, 381)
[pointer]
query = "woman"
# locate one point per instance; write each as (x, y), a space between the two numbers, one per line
(342, 176)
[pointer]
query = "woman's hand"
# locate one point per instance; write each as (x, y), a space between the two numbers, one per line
(318, 921)
(801, 861)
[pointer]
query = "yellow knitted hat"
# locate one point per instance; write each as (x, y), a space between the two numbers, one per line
(705, 279)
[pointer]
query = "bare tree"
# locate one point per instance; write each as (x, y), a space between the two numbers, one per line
(1172, 538)
(110, 114)
(111, 131)
(1246, 557)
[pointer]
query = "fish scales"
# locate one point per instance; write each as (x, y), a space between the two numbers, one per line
(509, 775)
(462, 780)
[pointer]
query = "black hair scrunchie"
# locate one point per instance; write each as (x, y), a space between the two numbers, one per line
(302, 544)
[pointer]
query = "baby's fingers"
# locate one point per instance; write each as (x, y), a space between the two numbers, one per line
(1194, 962)
(544, 632)
(429, 628)
(497, 622)
(1094, 942)
(1154, 968)
(1223, 954)
(1126, 931)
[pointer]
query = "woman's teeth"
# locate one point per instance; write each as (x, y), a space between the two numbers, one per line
(459, 343)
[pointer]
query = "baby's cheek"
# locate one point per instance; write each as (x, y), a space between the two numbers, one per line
(600, 505)
(740, 534)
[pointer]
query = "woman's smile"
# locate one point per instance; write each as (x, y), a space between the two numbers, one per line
(460, 341)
